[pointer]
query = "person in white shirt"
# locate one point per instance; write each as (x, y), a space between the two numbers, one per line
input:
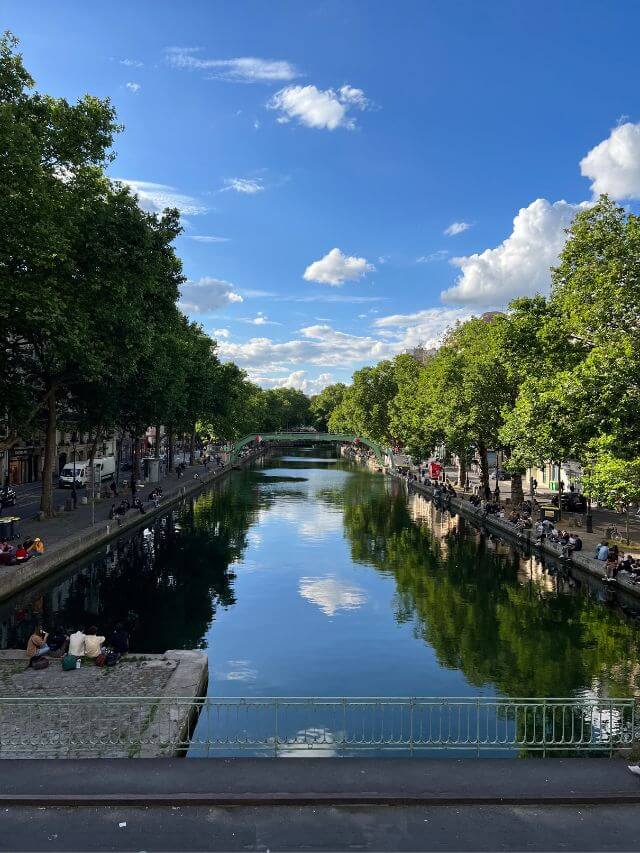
(77, 644)
(93, 643)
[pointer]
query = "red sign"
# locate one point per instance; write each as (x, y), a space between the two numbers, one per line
(435, 470)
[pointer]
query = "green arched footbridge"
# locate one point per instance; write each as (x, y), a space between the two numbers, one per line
(311, 438)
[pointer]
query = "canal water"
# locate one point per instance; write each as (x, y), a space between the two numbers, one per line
(306, 575)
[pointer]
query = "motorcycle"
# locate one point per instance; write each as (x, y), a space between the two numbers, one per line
(7, 497)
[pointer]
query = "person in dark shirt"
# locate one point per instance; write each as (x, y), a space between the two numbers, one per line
(119, 639)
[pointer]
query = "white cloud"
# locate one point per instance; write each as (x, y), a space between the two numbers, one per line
(154, 198)
(322, 346)
(331, 595)
(248, 186)
(440, 255)
(133, 87)
(208, 238)
(261, 320)
(318, 108)
(243, 69)
(614, 165)
(336, 268)
(206, 295)
(456, 228)
(132, 63)
(425, 328)
(297, 379)
(520, 265)
(318, 345)
(220, 333)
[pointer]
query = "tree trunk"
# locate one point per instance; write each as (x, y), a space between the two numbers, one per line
(46, 499)
(462, 470)
(517, 492)
(119, 457)
(192, 446)
(135, 467)
(170, 449)
(485, 488)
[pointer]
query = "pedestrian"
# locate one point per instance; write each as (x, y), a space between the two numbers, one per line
(534, 484)
(114, 488)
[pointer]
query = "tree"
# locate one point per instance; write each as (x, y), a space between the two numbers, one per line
(324, 403)
(612, 481)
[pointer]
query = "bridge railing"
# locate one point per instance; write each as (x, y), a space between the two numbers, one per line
(282, 726)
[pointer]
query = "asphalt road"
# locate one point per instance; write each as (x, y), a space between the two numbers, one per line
(28, 499)
(266, 828)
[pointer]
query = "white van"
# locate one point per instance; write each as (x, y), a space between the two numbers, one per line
(104, 469)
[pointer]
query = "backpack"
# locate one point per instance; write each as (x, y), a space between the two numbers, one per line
(69, 663)
(111, 658)
(39, 663)
(101, 659)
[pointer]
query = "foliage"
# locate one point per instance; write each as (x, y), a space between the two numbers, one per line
(324, 403)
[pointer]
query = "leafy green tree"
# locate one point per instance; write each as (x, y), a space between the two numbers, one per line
(324, 403)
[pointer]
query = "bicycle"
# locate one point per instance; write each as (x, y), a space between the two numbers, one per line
(613, 533)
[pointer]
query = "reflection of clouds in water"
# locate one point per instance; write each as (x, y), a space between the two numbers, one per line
(321, 743)
(321, 526)
(239, 670)
(331, 595)
(312, 520)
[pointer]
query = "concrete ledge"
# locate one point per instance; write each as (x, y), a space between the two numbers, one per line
(309, 781)
(15, 578)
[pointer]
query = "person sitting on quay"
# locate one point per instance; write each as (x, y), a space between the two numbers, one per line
(35, 546)
(93, 643)
(58, 641)
(119, 640)
(77, 643)
(22, 555)
(602, 551)
(611, 566)
(37, 645)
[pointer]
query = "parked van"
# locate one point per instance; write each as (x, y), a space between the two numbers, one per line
(104, 469)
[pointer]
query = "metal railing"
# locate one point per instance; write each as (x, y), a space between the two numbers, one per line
(144, 726)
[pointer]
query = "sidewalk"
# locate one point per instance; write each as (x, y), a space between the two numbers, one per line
(573, 522)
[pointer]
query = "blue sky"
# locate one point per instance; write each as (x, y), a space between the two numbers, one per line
(349, 172)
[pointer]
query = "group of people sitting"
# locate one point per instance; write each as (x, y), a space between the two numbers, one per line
(616, 563)
(548, 532)
(76, 645)
(12, 554)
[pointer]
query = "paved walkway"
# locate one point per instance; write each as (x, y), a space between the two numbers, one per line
(142, 706)
(603, 519)
(53, 530)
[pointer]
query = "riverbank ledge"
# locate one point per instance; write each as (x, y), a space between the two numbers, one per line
(144, 707)
(72, 547)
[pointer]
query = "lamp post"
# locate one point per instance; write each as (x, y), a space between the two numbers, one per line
(496, 493)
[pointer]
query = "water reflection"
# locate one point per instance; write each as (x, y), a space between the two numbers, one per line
(307, 576)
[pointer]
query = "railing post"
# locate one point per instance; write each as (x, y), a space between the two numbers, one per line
(544, 728)
(411, 706)
(275, 740)
(478, 726)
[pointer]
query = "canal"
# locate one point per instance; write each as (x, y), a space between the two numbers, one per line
(305, 575)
